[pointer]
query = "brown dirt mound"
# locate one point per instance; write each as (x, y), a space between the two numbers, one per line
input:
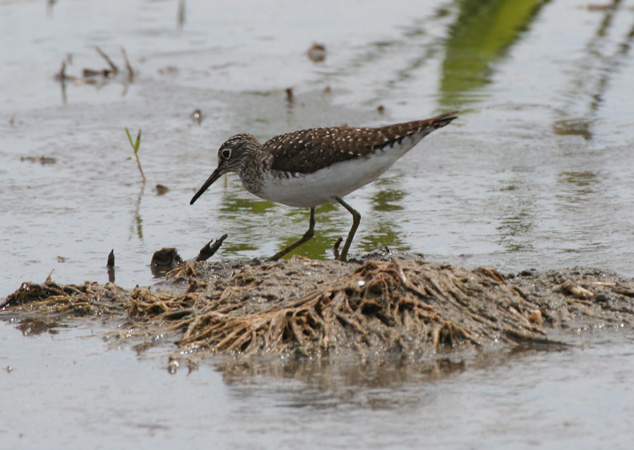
(310, 307)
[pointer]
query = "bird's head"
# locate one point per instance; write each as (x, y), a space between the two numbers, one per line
(233, 156)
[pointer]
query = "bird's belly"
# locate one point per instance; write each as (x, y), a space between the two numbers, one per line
(322, 186)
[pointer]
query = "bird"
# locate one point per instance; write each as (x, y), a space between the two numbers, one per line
(310, 167)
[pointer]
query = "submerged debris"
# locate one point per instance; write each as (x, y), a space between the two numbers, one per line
(290, 98)
(408, 306)
(172, 365)
(94, 76)
(317, 52)
(44, 160)
(197, 117)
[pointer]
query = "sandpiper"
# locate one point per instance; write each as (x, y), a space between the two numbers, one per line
(311, 167)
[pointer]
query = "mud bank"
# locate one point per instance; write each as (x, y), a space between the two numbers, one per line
(386, 304)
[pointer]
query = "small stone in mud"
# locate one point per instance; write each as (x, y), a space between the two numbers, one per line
(161, 189)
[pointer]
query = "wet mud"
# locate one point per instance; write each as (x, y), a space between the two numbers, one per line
(387, 303)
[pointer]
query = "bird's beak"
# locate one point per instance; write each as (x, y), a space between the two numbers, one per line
(214, 176)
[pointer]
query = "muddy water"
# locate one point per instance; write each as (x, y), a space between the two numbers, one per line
(535, 173)
(71, 388)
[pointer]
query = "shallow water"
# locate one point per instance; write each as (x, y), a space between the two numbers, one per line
(535, 173)
(74, 390)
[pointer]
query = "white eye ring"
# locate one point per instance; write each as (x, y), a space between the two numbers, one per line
(226, 153)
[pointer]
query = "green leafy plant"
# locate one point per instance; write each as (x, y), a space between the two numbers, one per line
(135, 146)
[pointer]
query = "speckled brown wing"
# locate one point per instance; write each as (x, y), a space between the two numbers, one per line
(307, 151)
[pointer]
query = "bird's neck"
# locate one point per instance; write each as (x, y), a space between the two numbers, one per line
(250, 173)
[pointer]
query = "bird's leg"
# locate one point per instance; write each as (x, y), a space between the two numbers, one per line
(309, 234)
(356, 219)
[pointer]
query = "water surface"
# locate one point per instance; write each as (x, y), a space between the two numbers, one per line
(73, 389)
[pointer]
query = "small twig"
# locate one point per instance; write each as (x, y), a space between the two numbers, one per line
(135, 147)
(183, 270)
(576, 290)
(49, 278)
(110, 266)
(335, 249)
(127, 64)
(208, 250)
(400, 272)
(110, 262)
(289, 95)
(62, 79)
(181, 13)
(62, 73)
(112, 65)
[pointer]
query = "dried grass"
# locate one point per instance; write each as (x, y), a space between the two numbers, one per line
(408, 307)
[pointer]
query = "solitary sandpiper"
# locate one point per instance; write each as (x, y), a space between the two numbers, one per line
(311, 167)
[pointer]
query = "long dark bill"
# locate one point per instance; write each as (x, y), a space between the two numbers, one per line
(214, 176)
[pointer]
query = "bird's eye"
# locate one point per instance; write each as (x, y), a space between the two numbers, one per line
(226, 153)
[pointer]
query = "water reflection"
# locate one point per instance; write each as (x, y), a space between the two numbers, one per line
(248, 231)
(480, 36)
(592, 75)
(575, 187)
(136, 227)
(386, 233)
(374, 383)
(513, 230)
(244, 214)
(320, 246)
(181, 15)
(35, 327)
(518, 218)
(383, 235)
(235, 204)
(573, 127)
(388, 200)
